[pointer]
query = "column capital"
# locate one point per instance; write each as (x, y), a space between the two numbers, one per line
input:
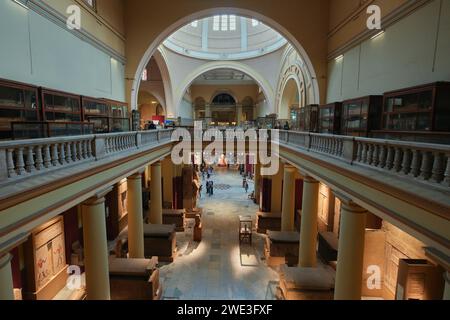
(348, 204)
(5, 259)
(289, 168)
(309, 179)
(156, 164)
(135, 176)
(98, 197)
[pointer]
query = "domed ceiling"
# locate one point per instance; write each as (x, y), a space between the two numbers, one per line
(225, 37)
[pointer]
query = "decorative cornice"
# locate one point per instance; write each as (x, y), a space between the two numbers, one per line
(60, 20)
(387, 21)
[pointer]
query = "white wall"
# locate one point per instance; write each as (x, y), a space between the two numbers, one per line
(413, 51)
(37, 51)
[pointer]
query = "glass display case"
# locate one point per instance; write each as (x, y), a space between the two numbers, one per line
(97, 112)
(120, 116)
(308, 118)
(330, 118)
(60, 106)
(39, 129)
(361, 115)
(18, 102)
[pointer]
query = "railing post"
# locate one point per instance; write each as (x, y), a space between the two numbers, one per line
(349, 150)
(99, 148)
(138, 140)
(308, 142)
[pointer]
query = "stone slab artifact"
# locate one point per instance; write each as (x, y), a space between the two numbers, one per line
(268, 221)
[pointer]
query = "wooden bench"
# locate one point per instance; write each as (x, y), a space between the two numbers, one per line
(305, 284)
(268, 221)
(282, 248)
(134, 279)
(176, 217)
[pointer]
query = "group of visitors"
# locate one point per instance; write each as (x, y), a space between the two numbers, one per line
(285, 127)
(210, 187)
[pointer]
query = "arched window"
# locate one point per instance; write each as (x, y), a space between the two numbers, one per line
(224, 99)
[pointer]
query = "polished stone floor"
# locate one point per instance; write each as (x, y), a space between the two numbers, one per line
(219, 267)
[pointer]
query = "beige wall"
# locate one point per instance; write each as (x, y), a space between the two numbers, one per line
(107, 24)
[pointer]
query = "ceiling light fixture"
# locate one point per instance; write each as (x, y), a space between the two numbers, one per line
(377, 35)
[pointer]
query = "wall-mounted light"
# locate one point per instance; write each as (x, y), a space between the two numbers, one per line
(377, 35)
(22, 3)
(339, 57)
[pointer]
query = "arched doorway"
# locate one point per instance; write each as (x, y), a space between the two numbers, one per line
(140, 54)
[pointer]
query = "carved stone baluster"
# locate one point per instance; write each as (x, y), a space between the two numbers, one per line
(84, 148)
(427, 163)
(62, 153)
(415, 163)
(406, 164)
(382, 156)
(89, 148)
(20, 164)
(79, 150)
(364, 153)
(30, 166)
(74, 151)
(68, 152)
(39, 162)
(47, 157)
(438, 168)
(390, 158)
(446, 181)
(398, 159)
(55, 157)
(375, 155)
(10, 163)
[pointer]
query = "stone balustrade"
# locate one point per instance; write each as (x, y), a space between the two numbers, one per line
(27, 158)
(421, 161)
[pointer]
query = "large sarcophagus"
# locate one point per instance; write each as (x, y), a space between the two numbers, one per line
(281, 248)
(175, 217)
(160, 241)
(134, 279)
(305, 284)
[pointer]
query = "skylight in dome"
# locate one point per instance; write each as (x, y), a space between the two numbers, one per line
(194, 24)
(255, 23)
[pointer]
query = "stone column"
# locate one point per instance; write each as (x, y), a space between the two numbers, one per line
(239, 114)
(447, 286)
(308, 232)
(96, 248)
(6, 280)
(208, 115)
(156, 195)
(276, 195)
(351, 251)
(135, 217)
(287, 212)
(257, 182)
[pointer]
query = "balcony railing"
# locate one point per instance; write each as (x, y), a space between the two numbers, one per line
(27, 158)
(421, 161)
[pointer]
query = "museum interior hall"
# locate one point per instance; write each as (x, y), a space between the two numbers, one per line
(224, 150)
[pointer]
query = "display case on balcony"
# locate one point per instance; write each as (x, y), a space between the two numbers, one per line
(361, 115)
(120, 116)
(308, 118)
(18, 102)
(97, 112)
(419, 113)
(330, 118)
(60, 106)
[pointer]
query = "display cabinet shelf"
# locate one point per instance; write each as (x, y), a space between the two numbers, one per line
(60, 106)
(308, 118)
(18, 102)
(330, 118)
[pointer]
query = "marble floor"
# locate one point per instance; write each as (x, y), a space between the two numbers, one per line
(219, 267)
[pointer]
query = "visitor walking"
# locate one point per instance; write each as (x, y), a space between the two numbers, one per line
(246, 186)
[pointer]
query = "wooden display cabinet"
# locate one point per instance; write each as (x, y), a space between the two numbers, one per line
(45, 261)
(98, 112)
(330, 118)
(18, 102)
(58, 106)
(39, 129)
(120, 116)
(308, 118)
(418, 279)
(420, 113)
(361, 116)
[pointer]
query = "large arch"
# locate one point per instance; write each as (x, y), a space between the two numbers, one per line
(238, 66)
(291, 89)
(302, 22)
